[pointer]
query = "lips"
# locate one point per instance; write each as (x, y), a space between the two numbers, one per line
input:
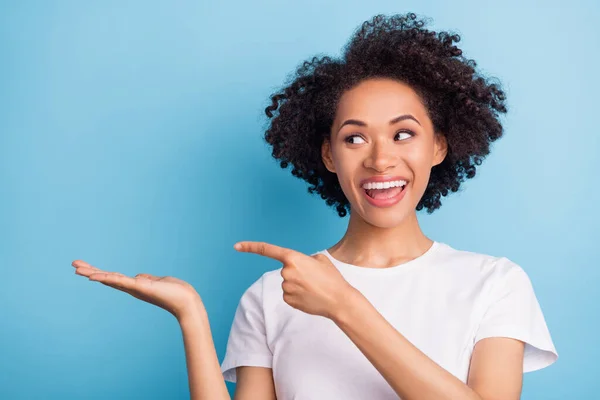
(384, 191)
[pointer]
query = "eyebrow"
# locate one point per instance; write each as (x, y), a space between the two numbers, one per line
(392, 121)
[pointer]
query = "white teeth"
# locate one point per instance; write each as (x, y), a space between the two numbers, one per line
(383, 185)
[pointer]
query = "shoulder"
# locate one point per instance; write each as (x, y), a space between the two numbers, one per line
(477, 271)
(480, 263)
(269, 282)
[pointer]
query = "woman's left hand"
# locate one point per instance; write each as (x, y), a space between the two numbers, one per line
(310, 283)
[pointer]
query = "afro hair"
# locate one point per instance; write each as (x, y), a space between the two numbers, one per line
(462, 104)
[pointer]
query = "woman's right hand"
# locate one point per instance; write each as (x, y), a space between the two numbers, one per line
(174, 295)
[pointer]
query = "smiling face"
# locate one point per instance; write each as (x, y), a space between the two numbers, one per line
(382, 147)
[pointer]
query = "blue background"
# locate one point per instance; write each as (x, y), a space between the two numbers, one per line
(131, 137)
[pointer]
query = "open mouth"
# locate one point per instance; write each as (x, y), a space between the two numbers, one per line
(385, 193)
(384, 190)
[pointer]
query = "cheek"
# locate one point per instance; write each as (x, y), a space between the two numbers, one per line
(344, 162)
(346, 173)
(419, 159)
(420, 165)
(418, 162)
(347, 166)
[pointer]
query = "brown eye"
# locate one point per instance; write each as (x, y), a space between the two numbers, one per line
(404, 135)
(352, 139)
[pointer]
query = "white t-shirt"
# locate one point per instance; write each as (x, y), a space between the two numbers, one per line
(443, 302)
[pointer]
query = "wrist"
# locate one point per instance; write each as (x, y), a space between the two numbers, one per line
(193, 310)
(347, 301)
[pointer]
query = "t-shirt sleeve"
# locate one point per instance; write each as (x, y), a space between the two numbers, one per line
(247, 342)
(513, 311)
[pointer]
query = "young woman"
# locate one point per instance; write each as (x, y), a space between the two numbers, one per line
(399, 121)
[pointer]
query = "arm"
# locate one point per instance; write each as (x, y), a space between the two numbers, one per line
(254, 383)
(204, 371)
(496, 367)
(183, 302)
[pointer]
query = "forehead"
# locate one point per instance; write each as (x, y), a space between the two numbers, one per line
(379, 100)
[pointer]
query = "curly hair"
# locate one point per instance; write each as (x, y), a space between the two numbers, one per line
(462, 104)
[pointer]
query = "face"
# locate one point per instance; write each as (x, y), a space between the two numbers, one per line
(382, 147)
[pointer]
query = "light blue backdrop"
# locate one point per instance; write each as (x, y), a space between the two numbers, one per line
(131, 137)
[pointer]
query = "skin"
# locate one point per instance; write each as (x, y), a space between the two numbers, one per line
(407, 148)
(375, 238)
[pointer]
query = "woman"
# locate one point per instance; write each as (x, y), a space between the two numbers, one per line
(400, 121)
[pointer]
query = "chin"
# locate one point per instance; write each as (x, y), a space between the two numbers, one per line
(384, 218)
(382, 215)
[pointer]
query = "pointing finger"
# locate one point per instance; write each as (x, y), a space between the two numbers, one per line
(264, 249)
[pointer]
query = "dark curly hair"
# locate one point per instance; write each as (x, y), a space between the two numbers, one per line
(463, 105)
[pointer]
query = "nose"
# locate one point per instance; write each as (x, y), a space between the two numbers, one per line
(381, 157)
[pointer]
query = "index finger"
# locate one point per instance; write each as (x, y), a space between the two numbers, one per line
(264, 249)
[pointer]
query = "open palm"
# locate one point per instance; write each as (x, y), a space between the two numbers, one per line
(172, 294)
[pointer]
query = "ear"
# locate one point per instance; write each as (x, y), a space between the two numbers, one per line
(326, 155)
(441, 149)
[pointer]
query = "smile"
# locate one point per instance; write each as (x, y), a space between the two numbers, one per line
(384, 192)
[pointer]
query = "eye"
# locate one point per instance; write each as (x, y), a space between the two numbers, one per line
(352, 139)
(404, 135)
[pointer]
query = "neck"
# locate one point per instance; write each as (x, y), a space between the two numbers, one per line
(366, 245)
